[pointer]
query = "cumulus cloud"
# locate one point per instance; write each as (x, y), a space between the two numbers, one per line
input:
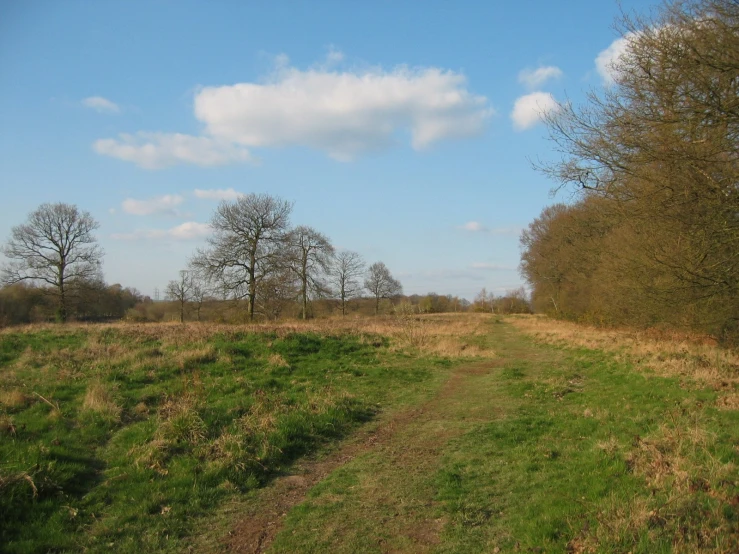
(606, 62)
(159, 150)
(100, 104)
(189, 230)
(474, 226)
(160, 205)
(533, 78)
(530, 109)
(217, 194)
(344, 113)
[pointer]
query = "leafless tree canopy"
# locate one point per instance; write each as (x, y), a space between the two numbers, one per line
(181, 291)
(309, 258)
(246, 246)
(381, 284)
(346, 271)
(56, 247)
(654, 235)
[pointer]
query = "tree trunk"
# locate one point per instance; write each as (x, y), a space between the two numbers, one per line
(61, 314)
(304, 290)
(252, 286)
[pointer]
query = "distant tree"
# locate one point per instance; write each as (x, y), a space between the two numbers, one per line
(309, 258)
(381, 284)
(483, 301)
(247, 245)
(18, 303)
(181, 291)
(56, 246)
(346, 270)
(512, 302)
(200, 290)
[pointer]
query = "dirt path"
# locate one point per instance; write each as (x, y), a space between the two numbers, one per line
(264, 519)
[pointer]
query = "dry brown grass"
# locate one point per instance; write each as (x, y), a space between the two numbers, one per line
(8, 481)
(689, 487)
(100, 400)
(677, 466)
(277, 360)
(693, 359)
(14, 398)
(451, 334)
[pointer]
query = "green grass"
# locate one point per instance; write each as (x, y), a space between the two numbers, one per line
(119, 440)
(143, 439)
(550, 450)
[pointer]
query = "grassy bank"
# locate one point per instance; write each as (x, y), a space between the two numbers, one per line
(488, 435)
(124, 437)
(547, 448)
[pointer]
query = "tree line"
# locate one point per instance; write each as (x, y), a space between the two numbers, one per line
(652, 236)
(255, 256)
(254, 265)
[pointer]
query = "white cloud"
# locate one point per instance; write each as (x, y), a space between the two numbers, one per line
(473, 226)
(533, 78)
(158, 150)
(217, 194)
(489, 266)
(477, 227)
(344, 113)
(160, 205)
(334, 56)
(531, 108)
(100, 104)
(606, 62)
(189, 230)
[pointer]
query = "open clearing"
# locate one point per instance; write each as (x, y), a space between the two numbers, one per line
(440, 434)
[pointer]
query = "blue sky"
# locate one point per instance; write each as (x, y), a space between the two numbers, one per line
(402, 130)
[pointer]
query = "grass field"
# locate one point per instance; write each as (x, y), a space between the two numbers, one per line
(454, 433)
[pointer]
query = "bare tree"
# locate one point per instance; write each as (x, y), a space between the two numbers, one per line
(278, 292)
(346, 270)
(381, 283)
(181, 291)
(56, 246)
(309, 258)
(484, 301)
(200, 290)
(246, 246)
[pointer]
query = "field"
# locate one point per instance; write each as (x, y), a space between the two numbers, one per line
(444, 433)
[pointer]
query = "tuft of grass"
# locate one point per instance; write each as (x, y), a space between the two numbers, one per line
(277, 361)
(14, 398)
(99, 400)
